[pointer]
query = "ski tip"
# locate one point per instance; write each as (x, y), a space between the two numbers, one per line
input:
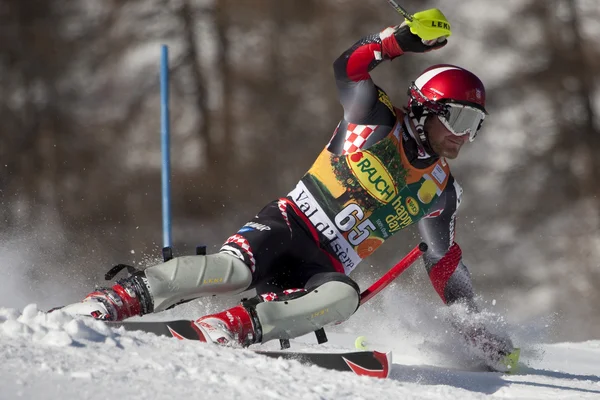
(511, 361)
(384, 359)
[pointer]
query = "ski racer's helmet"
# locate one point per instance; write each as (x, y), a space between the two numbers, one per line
(456, 96)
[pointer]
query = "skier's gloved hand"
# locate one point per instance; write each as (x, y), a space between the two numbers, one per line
(412, 43)
(397, 40)
(490, 343)
(427, 30)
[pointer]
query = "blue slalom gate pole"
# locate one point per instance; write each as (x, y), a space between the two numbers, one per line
(166, 151)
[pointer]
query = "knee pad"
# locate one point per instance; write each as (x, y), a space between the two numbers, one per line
(326, 303)
(324, 277)
(185, 278)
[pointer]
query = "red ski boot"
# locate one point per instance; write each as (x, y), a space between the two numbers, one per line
(127, 298)
(234, 327)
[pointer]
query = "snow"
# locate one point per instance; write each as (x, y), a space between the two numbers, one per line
(48, 356)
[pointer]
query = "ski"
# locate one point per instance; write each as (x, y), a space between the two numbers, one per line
(365, 363)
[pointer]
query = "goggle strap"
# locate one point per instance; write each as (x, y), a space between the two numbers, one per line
(420, 126)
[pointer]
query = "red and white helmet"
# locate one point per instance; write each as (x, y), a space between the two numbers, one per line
(455, 95)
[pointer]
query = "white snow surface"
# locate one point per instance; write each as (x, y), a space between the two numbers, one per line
(51, 356)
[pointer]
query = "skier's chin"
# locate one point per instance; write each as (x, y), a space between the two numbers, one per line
(449, 152)
(451, 155)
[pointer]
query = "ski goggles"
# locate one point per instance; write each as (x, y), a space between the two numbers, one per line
(461, 119)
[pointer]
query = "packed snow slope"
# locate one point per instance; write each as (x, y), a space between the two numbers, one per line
(50, 356)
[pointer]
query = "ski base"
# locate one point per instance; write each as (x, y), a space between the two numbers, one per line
(364, 363)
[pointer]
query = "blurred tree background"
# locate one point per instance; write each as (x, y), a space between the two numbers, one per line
(253, 101)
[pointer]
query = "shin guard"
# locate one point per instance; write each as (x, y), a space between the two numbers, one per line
(186, 278)
(333, 301)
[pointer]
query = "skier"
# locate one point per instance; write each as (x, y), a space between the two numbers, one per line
(384, 169)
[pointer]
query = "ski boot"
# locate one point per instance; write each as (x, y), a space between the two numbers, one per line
(235, 327)
(129, 297)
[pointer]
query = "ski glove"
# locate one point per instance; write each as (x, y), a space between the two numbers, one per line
(398, 40)
(409, 42)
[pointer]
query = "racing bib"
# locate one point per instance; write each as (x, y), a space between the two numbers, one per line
(359, 200)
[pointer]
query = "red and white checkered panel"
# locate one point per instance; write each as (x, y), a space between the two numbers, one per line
(241, 242)
(271, 296)
(282, 205)
(356, 136)
(290, 291)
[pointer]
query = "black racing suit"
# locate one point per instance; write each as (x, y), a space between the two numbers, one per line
(281, 246)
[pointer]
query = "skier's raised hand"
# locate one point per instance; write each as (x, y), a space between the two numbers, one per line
(428, 30)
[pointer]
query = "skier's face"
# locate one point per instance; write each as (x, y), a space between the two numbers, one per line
(443, 142)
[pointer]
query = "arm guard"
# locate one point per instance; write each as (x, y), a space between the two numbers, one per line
(443, 260)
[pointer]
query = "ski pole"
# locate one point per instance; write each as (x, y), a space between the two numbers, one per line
(401, 10)
(393, 273)
(428, 25)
